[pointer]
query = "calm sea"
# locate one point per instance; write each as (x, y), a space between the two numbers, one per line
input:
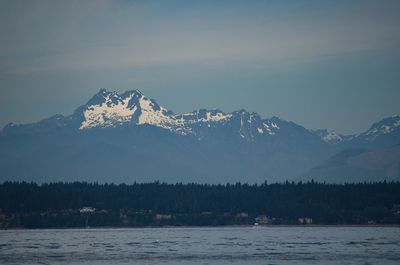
(216, 245)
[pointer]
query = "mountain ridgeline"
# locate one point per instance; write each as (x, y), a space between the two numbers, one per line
(128, 137)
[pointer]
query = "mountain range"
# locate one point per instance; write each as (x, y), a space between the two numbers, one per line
(128, 137)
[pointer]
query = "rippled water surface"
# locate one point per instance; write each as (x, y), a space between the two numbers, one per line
(228, 245)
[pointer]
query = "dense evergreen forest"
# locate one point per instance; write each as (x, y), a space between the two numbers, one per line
(31, 205)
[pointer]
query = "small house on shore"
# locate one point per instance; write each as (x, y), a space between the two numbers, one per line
(305, 220)
(87, 210)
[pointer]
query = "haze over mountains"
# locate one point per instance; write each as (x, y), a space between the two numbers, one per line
(128, 137)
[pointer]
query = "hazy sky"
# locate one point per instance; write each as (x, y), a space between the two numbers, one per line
(322, 64)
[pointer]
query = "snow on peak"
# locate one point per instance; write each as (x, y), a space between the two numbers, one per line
(110, 110)
(329, 136)
(382, 127)
(217, 116)
(213, 115)
(270, 127)
(332, 136)
(153, 114)
(204, 116)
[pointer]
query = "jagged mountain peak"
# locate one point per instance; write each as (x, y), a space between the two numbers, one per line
(205, 115)
(132, 108)
(111, 109)
(383, 127)
(105, 94)
(154, 141)
(107, 109)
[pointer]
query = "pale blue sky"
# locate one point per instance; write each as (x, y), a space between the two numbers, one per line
(322, 64)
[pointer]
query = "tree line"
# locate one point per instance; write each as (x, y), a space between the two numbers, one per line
(230, 203)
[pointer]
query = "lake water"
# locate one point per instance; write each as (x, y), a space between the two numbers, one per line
(215, 245)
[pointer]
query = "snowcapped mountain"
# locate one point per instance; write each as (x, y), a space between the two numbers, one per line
(386, 126)
(330, 136)
(128, 137)
(111, 110)
(132, 108)
(382, 134)
(108, 109)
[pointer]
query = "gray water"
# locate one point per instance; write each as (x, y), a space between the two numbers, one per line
(216, 245)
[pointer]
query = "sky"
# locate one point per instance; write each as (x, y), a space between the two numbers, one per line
(321, 64)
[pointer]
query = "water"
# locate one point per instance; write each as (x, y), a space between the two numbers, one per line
(216, 245)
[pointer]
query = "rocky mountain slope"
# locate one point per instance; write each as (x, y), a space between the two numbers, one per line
(128, 137)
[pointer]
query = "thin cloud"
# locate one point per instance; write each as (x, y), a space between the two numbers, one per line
(73, 35)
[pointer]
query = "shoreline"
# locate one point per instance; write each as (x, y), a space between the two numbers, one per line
(220, 226)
